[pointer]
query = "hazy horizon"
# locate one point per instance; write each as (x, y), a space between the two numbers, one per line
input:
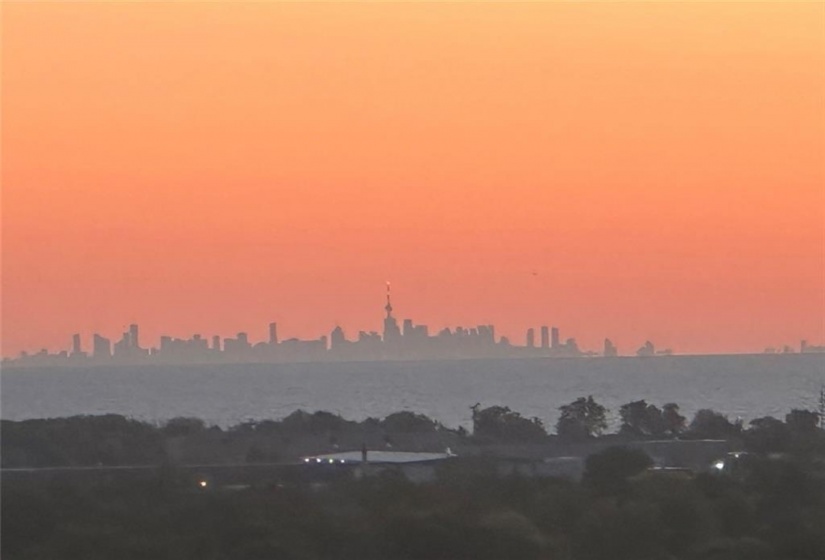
(647, 171)
(261, 335)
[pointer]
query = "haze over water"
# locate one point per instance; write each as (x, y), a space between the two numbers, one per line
(747, 386)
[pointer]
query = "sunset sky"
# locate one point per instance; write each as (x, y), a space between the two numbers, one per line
(633, 171)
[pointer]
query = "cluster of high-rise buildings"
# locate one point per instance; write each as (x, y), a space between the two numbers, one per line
(405, 341)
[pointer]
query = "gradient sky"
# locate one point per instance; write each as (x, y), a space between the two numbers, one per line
(638, 171)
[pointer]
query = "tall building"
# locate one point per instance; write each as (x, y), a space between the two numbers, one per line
(134, 341)
(391, 330)
(76, 350)
(273, 333)
(554, 336)
(101, 347)
(337, 338)
(545, 337)
(531, 337)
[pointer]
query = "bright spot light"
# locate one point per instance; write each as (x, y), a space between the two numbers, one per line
(331, 461)
(341, 461)
(317, 460)
(306, 460)
(719, 465)
(202, 483)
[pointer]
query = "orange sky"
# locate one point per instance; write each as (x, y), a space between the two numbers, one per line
(637, 171)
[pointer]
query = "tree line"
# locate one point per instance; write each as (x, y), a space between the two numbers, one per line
(585, 419)
(116, 440)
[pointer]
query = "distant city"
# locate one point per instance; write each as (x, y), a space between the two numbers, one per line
(406, 342)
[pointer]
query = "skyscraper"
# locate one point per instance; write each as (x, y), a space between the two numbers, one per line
(273, 333)
(555, 337)
(76, 350)
(545, 337)
(531, 337)
(133, 336)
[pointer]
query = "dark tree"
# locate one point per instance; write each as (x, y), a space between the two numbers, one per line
(318, 422)
(674, 423)
(501, 423)
(582, 419)
(802, 421)
(767, 435)
(183, 426)
(642, 419)
(409, 422)
(708, 424)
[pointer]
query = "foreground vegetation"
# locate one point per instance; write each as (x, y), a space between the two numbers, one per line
(774, 509)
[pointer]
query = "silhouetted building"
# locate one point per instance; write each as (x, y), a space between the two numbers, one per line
(647, 350)
(101, 347)
(273, 333)
(486, 334)
(545, 337)
(610, 350)
(805, 348)
(531, 338)
(165, 344)
(199, 343)
(134, 340)
(238, 346)
(123, 346)
(76, 350)
(337, 339)
(555, 339)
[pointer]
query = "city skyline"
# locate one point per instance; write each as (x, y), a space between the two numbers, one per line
(396, 341)
(405, 340)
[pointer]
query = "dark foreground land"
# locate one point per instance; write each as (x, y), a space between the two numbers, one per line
(109, 487)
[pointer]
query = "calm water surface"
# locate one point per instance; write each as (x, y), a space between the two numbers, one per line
(741, 386)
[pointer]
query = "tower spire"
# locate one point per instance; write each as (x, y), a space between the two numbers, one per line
(388, 307)
(391, 330)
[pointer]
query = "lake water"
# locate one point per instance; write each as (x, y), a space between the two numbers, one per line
(747, 386)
